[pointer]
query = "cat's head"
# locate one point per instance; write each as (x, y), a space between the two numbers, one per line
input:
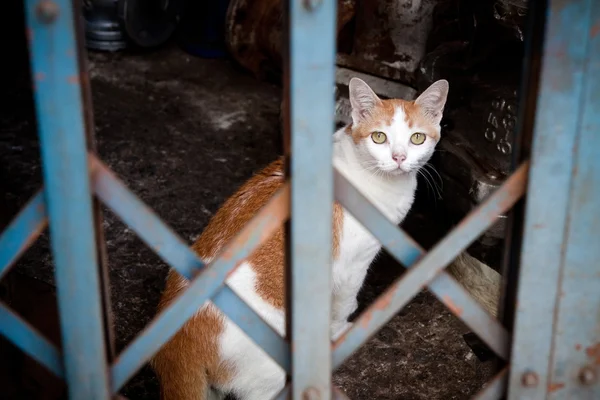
(395, 136)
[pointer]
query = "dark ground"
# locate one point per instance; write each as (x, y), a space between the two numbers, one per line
(183, 133)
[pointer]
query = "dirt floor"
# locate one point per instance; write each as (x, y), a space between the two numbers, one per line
(183, 133)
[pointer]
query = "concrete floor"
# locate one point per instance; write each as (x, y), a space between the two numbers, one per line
(183, 133)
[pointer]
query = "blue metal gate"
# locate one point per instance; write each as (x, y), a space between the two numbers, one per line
(555, 351)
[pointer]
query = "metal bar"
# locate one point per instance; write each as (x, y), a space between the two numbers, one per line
(139, 217)
(201, 288)
(57, 93)
(23, 230)
(253, 325)
(426, 269)
(312, 48)
(28, 339)
(568, 31)
(575, 359)
(494, 389)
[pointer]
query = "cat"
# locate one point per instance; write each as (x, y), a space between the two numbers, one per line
(380, 152)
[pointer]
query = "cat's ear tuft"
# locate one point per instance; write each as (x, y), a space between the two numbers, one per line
(363, 100)
(433, 100)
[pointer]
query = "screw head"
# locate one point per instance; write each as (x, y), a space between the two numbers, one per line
(529, 379)
(587, 375)
(312, 5)
(46, 11)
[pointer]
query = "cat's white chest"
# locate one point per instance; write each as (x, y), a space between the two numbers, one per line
(358, 247)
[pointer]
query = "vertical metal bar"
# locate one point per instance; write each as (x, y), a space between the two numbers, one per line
(575, 362)
(88, 114)
(311, 73)
(561, 83)
(58, 100)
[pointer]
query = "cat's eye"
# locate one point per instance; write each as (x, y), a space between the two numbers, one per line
(417, 138)
(378, 137)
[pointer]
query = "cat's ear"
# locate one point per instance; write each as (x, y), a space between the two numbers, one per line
(362, 99)
(433, 100)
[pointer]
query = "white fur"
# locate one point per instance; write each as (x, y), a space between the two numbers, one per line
(390, 187)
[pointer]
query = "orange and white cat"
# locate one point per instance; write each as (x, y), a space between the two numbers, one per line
(380, 152)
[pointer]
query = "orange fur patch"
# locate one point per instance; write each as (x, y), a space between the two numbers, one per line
(190, 358)
(384, 113)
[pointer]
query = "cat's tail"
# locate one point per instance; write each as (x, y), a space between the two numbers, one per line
(481, 281)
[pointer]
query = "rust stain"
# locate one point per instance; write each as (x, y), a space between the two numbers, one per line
(384, 300)
(553, 387)
(40, 76)
(595, 30)
(74, 79)
(578, 347)
(538, 226)
(456, 310)
(365, 319)
(29, 34)
(594, 353)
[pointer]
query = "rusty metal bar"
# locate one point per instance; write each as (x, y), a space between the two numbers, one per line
(61, 129)
(575, 359)
(201, 288)
(557, 299)
(426, 269)
(312, 49)
(29, 340)
(23, 230)
(495, 388)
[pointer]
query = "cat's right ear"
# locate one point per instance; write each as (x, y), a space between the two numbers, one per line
(362, 99)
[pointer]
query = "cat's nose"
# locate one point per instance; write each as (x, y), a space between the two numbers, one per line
(399, 158)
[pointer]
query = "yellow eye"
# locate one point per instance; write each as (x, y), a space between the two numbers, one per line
(417, 138)
(378, 137)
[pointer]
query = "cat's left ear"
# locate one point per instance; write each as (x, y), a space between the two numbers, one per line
(362, 99)
(433, 100)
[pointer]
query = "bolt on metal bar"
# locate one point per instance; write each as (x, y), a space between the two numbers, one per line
(55, 72)
(312, 49)
(564, 84)
(29, 340)
(426, 269)
(23, 230)
(204, 286)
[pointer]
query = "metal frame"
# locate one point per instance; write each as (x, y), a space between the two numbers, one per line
(555, 346)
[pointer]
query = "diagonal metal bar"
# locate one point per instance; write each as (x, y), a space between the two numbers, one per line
(229, 303)
(23, 230)
(496, 388)
(253, 325)
(28, 339)
(201, 288)
(407, 252)
(137, 215)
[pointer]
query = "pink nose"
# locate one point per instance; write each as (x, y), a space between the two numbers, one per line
(399, 158)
